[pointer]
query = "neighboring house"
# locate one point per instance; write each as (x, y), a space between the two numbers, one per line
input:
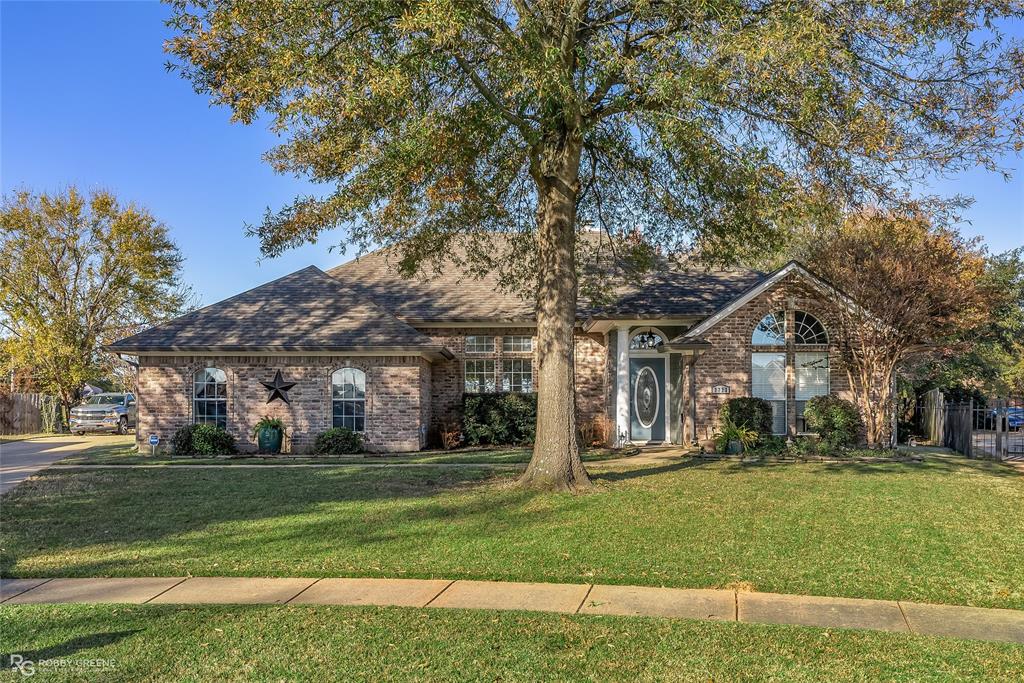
(391, 358)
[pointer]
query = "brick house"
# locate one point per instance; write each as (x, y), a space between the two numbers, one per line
(391, 357)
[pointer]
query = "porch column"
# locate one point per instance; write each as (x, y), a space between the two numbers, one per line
(690, 401)
(622, 385)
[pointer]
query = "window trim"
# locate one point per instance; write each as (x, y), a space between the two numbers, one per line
(362, 400)
(652, 351)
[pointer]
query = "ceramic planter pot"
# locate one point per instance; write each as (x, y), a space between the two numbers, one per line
(734, 448)
(269, 440)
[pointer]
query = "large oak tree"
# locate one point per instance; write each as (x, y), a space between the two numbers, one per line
(707, 125)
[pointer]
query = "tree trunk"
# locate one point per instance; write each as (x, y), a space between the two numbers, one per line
(556, 462)
(872, 389)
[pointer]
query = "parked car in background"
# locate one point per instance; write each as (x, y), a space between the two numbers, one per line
(106, 412)
(1013, 417)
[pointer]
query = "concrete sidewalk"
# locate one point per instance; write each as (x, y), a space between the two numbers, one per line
(724, 605)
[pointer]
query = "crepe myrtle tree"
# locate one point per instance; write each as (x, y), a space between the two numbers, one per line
(694, 126)
(912, 288)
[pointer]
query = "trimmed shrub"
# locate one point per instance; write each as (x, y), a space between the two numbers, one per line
(835, 420)
(499, 419)
(746, 411)
(202, 439)
(338, 441)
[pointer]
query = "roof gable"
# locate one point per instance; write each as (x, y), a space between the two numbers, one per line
(793, 267)
(307, 310)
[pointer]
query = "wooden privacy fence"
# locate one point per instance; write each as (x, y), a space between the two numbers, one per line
(932, 414)
(21, 413)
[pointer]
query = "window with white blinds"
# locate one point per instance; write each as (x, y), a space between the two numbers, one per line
(811, 380)
(768, 381)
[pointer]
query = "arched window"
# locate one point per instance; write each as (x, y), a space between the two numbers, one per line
(348, 398)
(210, 397)
(808, 330)
(647, 340)
(771, 331)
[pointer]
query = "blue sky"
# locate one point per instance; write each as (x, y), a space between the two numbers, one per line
(85, 100)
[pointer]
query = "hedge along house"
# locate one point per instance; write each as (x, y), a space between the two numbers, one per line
(391, 358)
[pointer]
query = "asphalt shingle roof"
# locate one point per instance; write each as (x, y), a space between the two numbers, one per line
(307, 310)
(452, 296)
(676, 293)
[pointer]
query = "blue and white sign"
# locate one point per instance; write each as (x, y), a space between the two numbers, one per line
(154, 439)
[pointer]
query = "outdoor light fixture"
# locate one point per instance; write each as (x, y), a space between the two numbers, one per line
(648, 341)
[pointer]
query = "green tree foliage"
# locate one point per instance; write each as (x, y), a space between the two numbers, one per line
(987, 357)
(79, 272)
(707, 126)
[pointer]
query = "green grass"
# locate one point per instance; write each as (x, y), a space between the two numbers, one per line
(160, 643)
(123, 452)
(947, 531)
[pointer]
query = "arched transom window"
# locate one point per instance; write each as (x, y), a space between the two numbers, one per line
(210, 397)
(646, 340)
(808, 330)
(348, 399)
(771, 331)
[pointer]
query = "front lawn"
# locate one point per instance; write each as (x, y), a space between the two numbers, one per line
(948, 530)
(122, 452)
(160, 643)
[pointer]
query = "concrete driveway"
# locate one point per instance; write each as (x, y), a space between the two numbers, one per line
(19, 460)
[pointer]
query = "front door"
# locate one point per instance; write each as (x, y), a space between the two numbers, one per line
(647, 399)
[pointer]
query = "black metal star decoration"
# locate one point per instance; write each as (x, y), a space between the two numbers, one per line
(278, 388)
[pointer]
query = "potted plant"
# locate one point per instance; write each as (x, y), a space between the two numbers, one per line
(269, 433)
(734, 439)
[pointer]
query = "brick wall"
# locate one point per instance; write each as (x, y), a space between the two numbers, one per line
(395, 390)
(591, 375)
(728, 361)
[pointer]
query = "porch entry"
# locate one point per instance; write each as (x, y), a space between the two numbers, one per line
(647, 390)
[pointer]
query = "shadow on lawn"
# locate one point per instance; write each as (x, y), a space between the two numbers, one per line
(313, 513)
(626, 475)
(933, 463)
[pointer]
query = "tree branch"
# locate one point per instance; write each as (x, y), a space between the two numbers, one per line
(495, 101)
